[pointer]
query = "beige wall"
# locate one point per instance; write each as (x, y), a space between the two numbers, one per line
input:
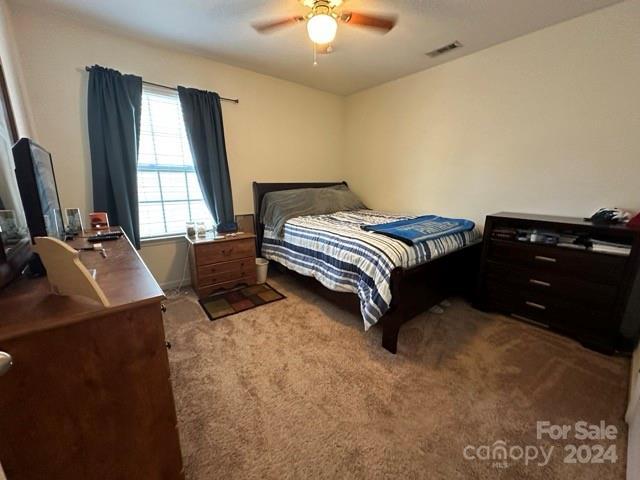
(271, 134)
(547, 123)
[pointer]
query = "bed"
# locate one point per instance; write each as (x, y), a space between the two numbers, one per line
(394, 281)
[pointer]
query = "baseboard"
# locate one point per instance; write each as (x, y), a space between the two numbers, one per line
(633, 419)
(634, 385)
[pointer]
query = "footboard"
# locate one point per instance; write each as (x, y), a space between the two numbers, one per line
(415, 290)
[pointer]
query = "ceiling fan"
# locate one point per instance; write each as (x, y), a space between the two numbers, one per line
(322, 22)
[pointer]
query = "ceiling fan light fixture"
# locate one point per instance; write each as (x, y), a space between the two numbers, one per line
(331, 3)
(322, 28)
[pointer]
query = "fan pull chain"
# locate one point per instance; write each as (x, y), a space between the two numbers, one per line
(315, 55)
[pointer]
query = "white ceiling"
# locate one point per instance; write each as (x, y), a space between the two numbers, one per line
(221, 29)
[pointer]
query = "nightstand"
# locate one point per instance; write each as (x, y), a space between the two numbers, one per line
(221, 262)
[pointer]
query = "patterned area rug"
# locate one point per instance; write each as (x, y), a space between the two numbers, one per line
(224, 304)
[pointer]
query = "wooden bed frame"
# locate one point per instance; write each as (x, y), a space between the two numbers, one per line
(414, 290)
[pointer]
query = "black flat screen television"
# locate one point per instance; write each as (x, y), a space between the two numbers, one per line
(38, 190)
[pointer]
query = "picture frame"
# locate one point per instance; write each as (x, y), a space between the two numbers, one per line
(99, 220)
(246, 223)
(9, 230)
(14, 253)
(74, 220)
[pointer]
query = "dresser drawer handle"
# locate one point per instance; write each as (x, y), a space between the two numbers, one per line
(535, 305)
(528, 320)
(539, 282)
(545, 259)
(6, 362)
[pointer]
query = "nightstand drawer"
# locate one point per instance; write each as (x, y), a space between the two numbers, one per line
(245, 264)
(206, 290)
(220, 277)
(224, 251)
(588, 266)
(567, 288)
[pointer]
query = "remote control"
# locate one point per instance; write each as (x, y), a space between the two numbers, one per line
(105, 237)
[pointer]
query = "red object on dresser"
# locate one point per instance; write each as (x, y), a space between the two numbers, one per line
(635, 221)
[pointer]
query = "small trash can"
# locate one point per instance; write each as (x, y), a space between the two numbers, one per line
(262, 265)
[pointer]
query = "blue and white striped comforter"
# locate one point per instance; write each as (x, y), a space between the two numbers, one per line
(339, 254)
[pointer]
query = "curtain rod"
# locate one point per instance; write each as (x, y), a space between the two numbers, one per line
(233, 100)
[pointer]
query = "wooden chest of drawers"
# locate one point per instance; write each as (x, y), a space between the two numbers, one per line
(89, 395)
(221, 263)
(578, 292)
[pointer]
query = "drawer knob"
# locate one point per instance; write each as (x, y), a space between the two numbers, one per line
(535, 305)
(163, 308)
(5, 362)
(545, 259)
(539, 282)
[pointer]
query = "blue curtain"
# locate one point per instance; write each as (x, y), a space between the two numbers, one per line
(114, 107)
(205, 131)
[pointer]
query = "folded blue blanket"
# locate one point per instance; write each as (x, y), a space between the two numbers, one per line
(420, 229)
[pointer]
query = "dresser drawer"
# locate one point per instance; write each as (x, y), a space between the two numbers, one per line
(589, 266)
(225, 251)
(549, 310)
(537, 281)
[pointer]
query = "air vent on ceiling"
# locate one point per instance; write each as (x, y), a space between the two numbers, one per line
(442, 50)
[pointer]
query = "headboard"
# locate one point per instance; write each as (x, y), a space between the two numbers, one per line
(261, 189)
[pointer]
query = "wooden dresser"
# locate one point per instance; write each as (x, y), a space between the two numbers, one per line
(579, 292)
(89, 394)
(222, 262)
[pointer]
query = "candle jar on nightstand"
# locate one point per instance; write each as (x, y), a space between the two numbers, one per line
(191, 229)
(202, 229)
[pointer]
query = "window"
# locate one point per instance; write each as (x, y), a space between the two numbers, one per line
(169, 194)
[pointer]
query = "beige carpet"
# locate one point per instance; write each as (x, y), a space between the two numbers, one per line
(296, 389)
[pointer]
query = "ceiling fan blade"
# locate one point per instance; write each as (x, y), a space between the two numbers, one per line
(380, 22)
(268, 26)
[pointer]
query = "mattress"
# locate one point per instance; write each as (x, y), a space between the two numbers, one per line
(336, 251)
